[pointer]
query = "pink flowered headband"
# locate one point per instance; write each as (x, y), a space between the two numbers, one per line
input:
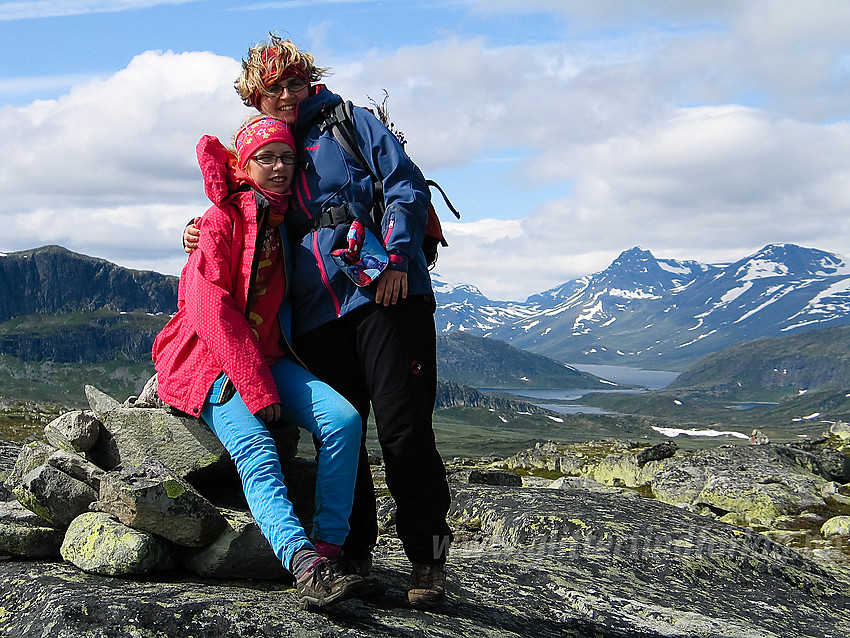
(257, 134)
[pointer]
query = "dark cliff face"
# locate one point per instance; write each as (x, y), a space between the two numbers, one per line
(52, 279)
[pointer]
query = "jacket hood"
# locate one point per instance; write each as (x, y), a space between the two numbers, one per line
(218, 168)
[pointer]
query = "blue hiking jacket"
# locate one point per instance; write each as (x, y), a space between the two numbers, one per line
(330, 177)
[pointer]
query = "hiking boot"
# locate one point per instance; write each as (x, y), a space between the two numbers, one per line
(321, 586)
(427, 585)
(373, 587)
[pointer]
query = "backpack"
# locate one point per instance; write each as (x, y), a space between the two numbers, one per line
(339, 121)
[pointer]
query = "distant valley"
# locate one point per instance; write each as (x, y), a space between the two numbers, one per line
(67, 320)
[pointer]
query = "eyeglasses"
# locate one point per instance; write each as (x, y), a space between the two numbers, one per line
(270, 159)
(294, 85)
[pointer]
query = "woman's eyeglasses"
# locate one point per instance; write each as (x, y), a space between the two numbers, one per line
(293, 86)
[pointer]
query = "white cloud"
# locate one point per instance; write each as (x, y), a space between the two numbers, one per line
(695, 130)
(109, 169)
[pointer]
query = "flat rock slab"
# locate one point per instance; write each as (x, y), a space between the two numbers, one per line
(624, 559)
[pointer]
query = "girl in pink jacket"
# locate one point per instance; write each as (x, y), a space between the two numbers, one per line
(225, 356)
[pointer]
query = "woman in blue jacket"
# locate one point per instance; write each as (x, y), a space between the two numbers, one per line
(375, 344)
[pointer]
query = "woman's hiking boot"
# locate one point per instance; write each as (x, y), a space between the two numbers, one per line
(321, 586)
(427, 585)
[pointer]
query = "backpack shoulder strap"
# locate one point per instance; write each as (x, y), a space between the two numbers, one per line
(340, 122)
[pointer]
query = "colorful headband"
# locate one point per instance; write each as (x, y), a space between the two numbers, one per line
(258, 133)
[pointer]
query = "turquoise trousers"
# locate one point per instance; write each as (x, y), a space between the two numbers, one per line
(315, 407)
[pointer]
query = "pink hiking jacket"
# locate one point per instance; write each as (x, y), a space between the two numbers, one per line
(210, 334)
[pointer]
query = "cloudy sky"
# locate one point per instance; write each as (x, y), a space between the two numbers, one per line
(565, 131)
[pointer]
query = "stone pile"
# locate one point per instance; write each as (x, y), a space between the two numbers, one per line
(124, 489)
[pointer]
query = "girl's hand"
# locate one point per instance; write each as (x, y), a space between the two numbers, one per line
(269, 414)
(190, 236)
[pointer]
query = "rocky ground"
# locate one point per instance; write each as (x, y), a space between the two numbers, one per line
(605, 539)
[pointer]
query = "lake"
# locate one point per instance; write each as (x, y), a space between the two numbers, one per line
(550, 399)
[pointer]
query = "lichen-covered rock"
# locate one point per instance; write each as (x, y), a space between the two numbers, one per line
(148, 496)
(73, 431)
(836, 526)
(760, 482)
(97, 543)
(55, 496)
(25, 534)
(637, 566)
(241, 551)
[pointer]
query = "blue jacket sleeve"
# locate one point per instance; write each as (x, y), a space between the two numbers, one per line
(406, 193)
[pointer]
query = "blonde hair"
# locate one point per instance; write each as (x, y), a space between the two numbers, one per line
(261, 69)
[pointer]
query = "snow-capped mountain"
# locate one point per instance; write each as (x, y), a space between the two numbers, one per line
(654, 313)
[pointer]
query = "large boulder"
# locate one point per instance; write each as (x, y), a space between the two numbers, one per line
(757, 482)
(55, 496)
(241, 552)
(186, 445)
(99, 544)
(74, 431)
(146, 495)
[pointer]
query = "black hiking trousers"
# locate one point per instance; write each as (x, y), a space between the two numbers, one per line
(386, 357)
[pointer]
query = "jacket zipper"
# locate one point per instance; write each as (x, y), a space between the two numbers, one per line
(303, 194)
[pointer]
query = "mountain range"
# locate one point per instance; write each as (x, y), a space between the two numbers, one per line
(640, 311)
(661, 313)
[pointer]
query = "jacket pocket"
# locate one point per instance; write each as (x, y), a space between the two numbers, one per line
(222, 390)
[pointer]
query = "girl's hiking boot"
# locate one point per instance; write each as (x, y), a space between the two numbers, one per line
(322, 586)
(372, 586)
(427, 585)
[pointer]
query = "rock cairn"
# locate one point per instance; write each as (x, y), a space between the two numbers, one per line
(123, 489)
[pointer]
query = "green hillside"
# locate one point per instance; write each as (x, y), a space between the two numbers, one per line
(489, 363)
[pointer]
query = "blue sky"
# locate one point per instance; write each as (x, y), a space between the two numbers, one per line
(566, 131)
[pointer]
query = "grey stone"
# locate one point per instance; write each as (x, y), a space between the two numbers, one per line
(658, 452)
(836, 526)
(581, 483)
(241, 551)
(77, 467)
(100, 402)
(55, 496)
(73, 431)
(30, 457)
(146, 495)
(25, 534)
(494, 477)
(148, 397)
(97, 543)
(186, 445)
